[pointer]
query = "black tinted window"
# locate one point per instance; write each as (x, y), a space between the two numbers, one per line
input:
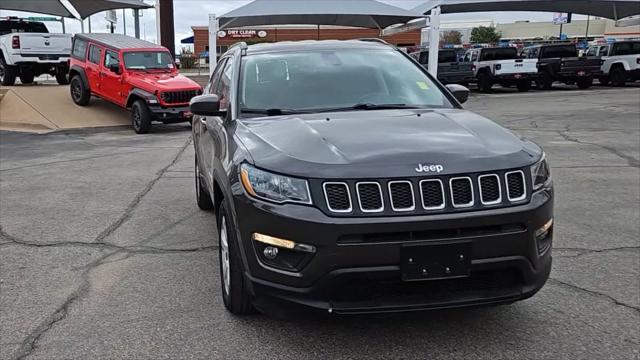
(95, 53)
(7, 27)
(215, 77)
(444, 56)
(111, 58)
(506, 53)
(560, 51)
(79, 48)
(627, 48)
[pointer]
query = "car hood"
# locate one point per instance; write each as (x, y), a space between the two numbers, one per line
(383, 143)
(162, 81)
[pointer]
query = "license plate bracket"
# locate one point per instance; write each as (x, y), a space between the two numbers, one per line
(435, 261)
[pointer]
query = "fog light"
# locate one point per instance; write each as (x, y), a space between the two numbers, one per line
(270, 252)
(544, 230)
(283, 243)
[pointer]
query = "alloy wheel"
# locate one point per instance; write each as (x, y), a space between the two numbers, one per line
(224, 257)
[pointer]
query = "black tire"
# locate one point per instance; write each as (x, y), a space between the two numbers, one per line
(62, 76)
(604, 80)
(545, 81)
(8, 73)
(140, 117)
(203, 199)
(484, 82)
(27, 77)
(79, 93)
(234, 292)
(523, 85)
(584, 83)
(618, 76)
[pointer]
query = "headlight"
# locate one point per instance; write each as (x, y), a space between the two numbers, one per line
(540, 174)
(274, 187)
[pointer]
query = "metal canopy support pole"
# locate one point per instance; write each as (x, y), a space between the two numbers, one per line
(81, 26)
(586, 35)
(64, 31)
(136, 22)
(213, 42)
(434, 41)
(124, 20)
(89, 22)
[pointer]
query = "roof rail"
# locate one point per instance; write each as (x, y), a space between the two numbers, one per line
(374, 40)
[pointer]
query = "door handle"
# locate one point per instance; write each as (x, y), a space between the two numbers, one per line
(203, 121)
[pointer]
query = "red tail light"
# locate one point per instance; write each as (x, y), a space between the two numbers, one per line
(15, 42)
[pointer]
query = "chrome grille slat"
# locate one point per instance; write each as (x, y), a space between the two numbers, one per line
(370, 196)
(338, 197)
(461, 192)
(489, 188)
(403, 190)
(516, 185)
(432, 196)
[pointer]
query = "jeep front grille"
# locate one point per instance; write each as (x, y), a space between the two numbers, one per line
(376, 197)
(178, 97)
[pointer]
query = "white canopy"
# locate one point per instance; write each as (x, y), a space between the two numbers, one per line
(83, 8)
(611, 9)
(358, 13)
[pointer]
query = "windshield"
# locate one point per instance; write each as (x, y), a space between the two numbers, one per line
(144, 60)
(326, 80)
(560, 51)
(506, 53)
(7, 27)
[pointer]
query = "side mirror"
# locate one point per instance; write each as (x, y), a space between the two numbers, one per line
(114, 68)
(459, 92)
(206, 105)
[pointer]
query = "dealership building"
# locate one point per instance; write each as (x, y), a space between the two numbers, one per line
(598, 29)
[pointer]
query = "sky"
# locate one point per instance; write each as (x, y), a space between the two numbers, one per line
(189, 13)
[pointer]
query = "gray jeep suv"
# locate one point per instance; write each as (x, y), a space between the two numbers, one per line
(346, 179)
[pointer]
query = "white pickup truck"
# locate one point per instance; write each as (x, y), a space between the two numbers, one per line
(621, 62)
(501, 65)
(27, 50)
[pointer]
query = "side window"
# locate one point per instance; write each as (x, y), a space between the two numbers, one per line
(474, 56)
(213, 81)
(95, 53)
(526, 53)
(79, 49)
(604, 50)
(591, 51)
(424, 57)
(224, 86)
(111, 58)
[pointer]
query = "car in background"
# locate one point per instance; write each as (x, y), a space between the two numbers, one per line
(131, 73)
(450, 70)
(28, 50)
(345, 178)
(560, 62)
(621, 62)
(501, 65)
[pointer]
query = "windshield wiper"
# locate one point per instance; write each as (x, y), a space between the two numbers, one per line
(371, 106)
(273, 112)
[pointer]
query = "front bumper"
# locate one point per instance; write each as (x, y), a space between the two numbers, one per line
(352, 277)
(170, 114)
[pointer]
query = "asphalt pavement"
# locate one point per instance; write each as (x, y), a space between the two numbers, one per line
(105, 255)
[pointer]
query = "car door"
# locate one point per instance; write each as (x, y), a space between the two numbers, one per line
(92, 69)
(112, 81)
(215, 124)
(200, 131)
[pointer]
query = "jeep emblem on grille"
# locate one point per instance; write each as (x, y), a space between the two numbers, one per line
(437, 168)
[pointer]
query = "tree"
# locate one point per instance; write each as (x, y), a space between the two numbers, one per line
(452, 37)
(485, 35)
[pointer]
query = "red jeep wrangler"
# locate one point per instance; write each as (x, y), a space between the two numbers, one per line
(133, 74)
